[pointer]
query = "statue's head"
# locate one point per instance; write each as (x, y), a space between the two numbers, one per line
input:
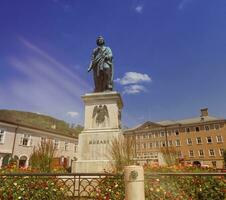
(100, 41)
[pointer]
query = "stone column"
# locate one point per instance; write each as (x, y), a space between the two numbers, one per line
(134, 182)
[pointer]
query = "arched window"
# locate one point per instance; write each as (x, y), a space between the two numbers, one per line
(22, 161)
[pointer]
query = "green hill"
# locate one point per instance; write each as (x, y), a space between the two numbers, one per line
(39, 121)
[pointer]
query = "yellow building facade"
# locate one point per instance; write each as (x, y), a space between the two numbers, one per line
(197, 140)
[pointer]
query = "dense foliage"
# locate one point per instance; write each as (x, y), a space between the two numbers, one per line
(29, 187)
(42, 156)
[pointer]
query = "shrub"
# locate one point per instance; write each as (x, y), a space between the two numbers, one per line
(121, 152)
(110, 188)
(42, 156)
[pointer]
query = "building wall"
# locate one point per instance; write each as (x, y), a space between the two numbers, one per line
(148, 135)
(35, 138)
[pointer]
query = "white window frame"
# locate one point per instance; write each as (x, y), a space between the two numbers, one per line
(189, 153)
(207, 140)
(197, 140)
(3, 133)
(221, 141)
(170, 143)
(66, 146)
(176, 143)
(213, 153)
(29, 140)
(56, 144)
(162, 134)
(157, 144)
(200, 154)
(189, 140)
(221, 153)
(207, 129)
(217, 125)
(186, 130)
(150, 144)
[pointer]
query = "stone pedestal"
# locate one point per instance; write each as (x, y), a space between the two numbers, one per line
(102, 124)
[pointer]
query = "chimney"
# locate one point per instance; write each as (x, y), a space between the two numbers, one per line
(204, 112)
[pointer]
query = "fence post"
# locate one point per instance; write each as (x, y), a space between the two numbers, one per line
(134, 182)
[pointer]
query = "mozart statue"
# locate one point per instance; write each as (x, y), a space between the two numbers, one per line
(102, 66)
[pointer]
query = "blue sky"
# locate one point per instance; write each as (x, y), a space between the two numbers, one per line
(169, 56)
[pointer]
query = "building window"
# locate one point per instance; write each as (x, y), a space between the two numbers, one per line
(156, 144)
(187, 130)
(221, 151)
(156, 134)
(176, 132)
(177, 143)
(150, 144)
(207, 128)
(162, 134)
(197, 129)
(26, 140)
(170, 143)
(199, 140)
(169, 133)
(219, 139)
(66, 146)
(75, 148)
(144, 136)
(191, 153)
(201, 153)
(209, 139)
(211, 152)
(2, 136)
(149, 136)
(144, 146)
(56, 144)
(216, 127)
(163, 143)
(189, 141)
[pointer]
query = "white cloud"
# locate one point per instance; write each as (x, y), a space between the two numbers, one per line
(133, 78)
(139, 8)
(72, 114)
(134, 89)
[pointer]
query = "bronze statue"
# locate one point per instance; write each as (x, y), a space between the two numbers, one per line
(102, 66)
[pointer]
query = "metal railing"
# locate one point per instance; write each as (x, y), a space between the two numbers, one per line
(62, 185)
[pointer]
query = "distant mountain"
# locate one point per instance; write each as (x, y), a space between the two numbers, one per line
(39, 121)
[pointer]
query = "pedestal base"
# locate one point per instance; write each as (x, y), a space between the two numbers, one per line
(91, 166)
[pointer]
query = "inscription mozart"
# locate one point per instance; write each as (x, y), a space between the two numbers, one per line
(99, 142)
